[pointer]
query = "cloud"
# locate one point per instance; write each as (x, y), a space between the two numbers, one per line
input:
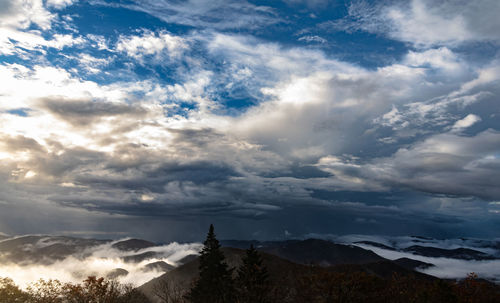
(208, 120)
(214, 14)
(17, 36)
(157, 45)
(17, 14)
(314, 38)
(83, 112)
(447, 164)
(445, 268)
(425, 23)
(98, 261)
(466, 122)
(60, 4)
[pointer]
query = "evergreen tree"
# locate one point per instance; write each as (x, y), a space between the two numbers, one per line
(253, 279)
(215, 284)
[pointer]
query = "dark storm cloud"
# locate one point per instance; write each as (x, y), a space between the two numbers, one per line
(299, 171)
(155, 179)
(83, 112)
(449, 164)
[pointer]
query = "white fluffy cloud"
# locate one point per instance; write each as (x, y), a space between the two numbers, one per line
(60, 3)
(152, 44)
(21, 14)
(17, 16)
(466, 122)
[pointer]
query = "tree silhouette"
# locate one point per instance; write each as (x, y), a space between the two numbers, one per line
(253, 279)
(10, 292)
(215, 284)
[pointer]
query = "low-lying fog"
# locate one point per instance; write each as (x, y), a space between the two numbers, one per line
(444, 267)
(99, 261)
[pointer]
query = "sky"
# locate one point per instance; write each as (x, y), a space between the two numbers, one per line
(269, 119)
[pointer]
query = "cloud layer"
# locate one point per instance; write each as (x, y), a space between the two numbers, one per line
(224, 111)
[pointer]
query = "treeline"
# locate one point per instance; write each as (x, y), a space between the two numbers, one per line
(91, 290)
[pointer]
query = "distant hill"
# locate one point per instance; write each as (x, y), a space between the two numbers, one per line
(48, 249)
(412, 264)
(133, 245)
(321, 252)
(312, 251)
(44, 249)
(458, 253)
(436, 252)
(158, 266)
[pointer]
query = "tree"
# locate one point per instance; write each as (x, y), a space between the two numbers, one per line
(93, 290)
(253, 278)
(168, 292)
(11, 293)
(215, 284)
(46, 291)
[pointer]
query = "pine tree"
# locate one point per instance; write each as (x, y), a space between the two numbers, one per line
(215, 284)
(253, 279)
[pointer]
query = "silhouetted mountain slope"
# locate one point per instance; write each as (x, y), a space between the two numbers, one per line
(412, 264)
(458, 253)
(382, 269)
(117, 272)
(311, 251)
(321, 252)
(158, 266)
(187, 259)
(181, 278)
(284, 273)
(133, 245)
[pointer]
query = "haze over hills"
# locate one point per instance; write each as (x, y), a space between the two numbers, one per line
(138, 261)
(28, 258)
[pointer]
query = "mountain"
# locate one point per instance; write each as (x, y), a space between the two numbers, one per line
(158, 266)
(180, 278)
(313, 251)
(458, 253)
(36, 249)
(133, 245)
(283, 272)
(116, 273)
(44, 249)
(412, 264)
(382, 269)
(430, 251)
